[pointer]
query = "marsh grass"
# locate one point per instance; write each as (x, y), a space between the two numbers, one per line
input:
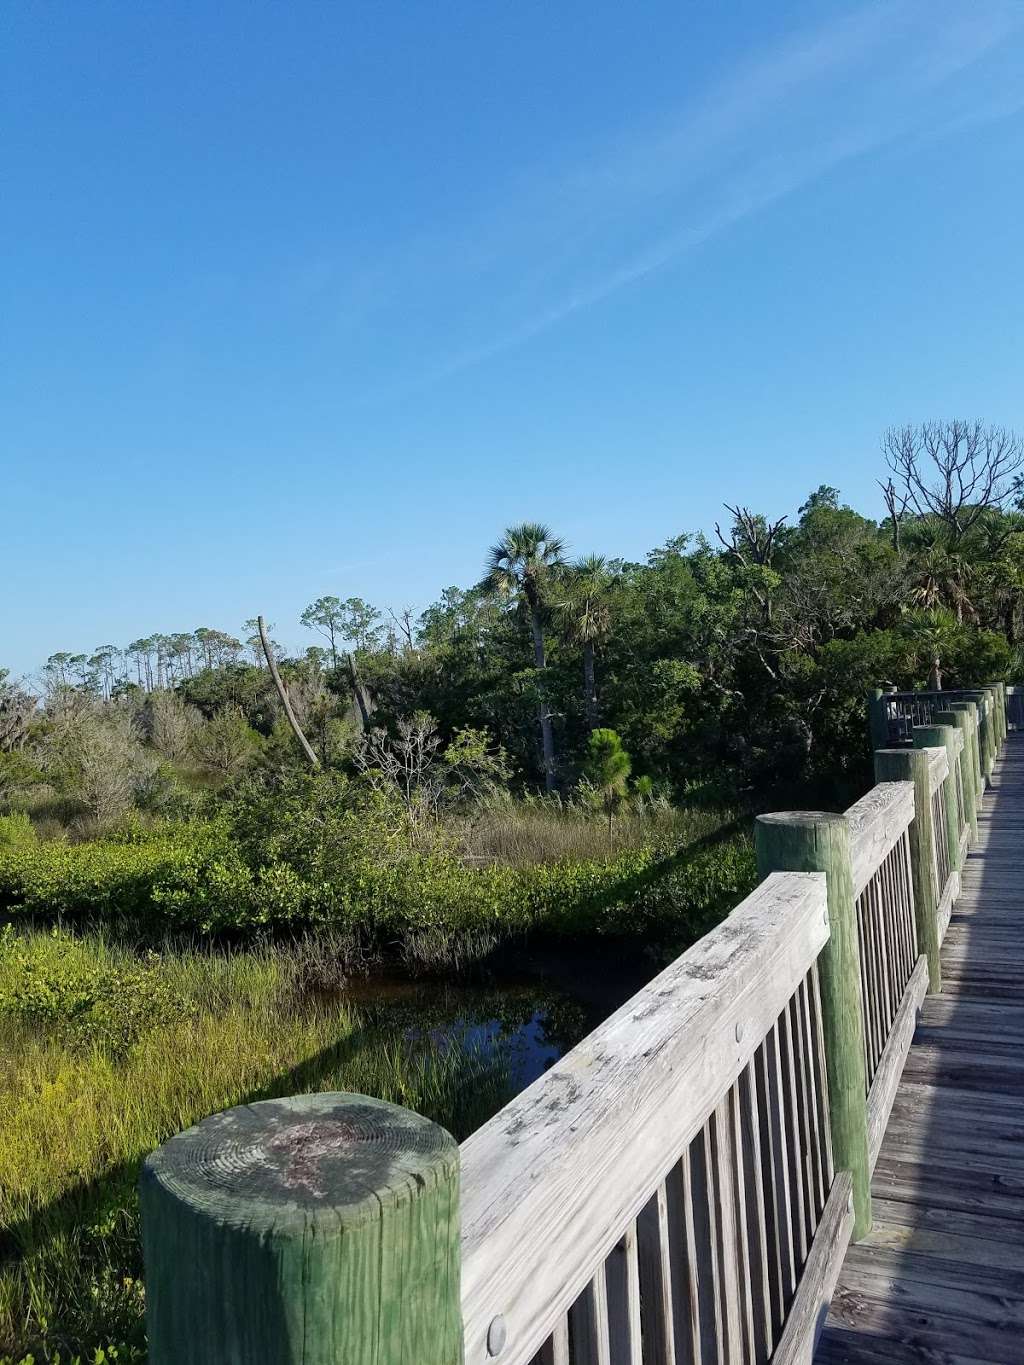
(549, 829)
(95, 1077)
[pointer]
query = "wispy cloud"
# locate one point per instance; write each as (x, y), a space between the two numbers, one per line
(560, 238)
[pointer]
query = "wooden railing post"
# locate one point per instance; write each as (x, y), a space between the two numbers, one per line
(321, 1229)
(813, 841)
(991, 691)
(911, 765)
(944, 737)
(878, 719)
(998, 713)
(973, 753)
(986, 750)
(959, 720)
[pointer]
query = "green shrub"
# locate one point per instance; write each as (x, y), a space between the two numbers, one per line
(17, 831)
(349, 869)
(83, 998)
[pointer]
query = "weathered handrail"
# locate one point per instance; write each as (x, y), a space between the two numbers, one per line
(653, 1139)
(877, 822)
(682, 1185)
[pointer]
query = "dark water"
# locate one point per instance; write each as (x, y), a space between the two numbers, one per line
(530, 1020)
(528, 1026)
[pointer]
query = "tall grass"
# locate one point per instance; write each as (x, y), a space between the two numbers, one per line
(107, 1054)
(550, 829)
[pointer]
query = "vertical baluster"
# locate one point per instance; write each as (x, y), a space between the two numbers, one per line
(910, 901)
(623, 1277)
(877, 1001)
(821, 1078)
(780, 1241)
(588, 1323)
(681, 1259)
(555, 1350)
(872, 1018)
(889, 948)
(705, 1226)
(656, 1281)
(903, 930)
(901, 859)
(749, 1145)
(903, 946)
(899, 765)
(888, 951)
(819, 1184)
(800, 1089)
(892, 968)
(688, 1322)
(860, 913)
(736, 1169)
(792, 1119)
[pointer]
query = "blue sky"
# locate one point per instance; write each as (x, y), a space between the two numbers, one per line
(312, 298)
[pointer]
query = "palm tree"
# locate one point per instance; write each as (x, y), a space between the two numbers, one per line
(941, 579)
(521, 567)
(583, 607)
(932, 633)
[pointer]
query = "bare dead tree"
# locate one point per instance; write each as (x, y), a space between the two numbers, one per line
(953, 470)
(307, 748)
(896, 501)
(403, 623)
(753, 538)
(752, 542)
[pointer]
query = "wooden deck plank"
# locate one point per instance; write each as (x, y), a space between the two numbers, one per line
(939, 1280)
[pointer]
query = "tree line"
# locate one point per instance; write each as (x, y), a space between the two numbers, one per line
(734, 661)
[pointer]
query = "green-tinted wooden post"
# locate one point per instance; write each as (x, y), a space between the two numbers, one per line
(985, 754)
(992, 724)
(878, 719)
(1004, 719)
(911, 765)
(998, 712)
(974, 755)
(319, 1230)
(991, 690)
(944, 737)
(812, 841)
(962, 721)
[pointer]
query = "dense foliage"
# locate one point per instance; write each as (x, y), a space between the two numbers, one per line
(733, 665)
(305, 855)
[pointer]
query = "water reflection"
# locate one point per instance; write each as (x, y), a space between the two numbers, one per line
(524, 1027)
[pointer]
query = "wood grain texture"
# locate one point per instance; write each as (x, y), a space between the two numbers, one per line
(875, 824)
(319, 1230)
(569, 1164)
(938, 762)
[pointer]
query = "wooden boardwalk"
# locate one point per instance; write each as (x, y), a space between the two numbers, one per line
(940, 1278)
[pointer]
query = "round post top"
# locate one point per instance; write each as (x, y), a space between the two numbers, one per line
(333, 1159)
(801, 817)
